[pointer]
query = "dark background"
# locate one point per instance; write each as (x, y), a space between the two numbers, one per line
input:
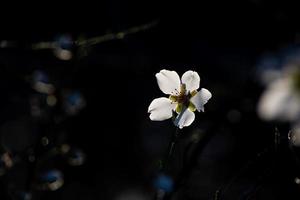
(222, 41)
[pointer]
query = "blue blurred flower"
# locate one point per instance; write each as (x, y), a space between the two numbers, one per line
(164, 182)
(51, 176)
(73, 102)
(51, 180)
(63, 47)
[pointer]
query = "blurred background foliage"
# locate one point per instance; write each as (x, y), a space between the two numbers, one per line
(98, 110)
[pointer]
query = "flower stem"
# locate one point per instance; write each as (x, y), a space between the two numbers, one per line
(161, 194)
(171, 149)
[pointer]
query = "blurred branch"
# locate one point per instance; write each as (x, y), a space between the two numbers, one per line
(98, 39)
(44, 45)
(118, 35)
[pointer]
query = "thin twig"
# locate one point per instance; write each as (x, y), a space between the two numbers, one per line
(98, 39)
(116, 36)
(171, 149)
(160, 194)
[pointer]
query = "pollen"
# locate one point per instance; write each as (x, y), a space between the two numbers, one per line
(182, 99)
(173, 98)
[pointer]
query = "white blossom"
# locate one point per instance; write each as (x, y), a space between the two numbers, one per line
(281, 99)
(184, 97)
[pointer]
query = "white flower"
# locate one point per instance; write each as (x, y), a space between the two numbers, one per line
(294, 134)
(281, 100)
(184, 98)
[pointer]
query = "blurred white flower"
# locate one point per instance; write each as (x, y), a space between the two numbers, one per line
(184, 98)
(294, 134)
(281, 100)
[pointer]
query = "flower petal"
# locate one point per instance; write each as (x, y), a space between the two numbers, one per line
(295, 135)
(161, 109)
(191, 79)
(184, 118)
(279, 102)
(201, 98)
(168, 81)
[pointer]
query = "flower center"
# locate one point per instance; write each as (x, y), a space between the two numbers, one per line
(182, 98)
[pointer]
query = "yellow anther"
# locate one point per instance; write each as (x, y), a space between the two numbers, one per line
(192, 107)
(173, 98)
(179, 107)
(193, 93)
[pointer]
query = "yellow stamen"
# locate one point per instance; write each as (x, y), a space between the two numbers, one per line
(179, 107)
(193, 93)
(173, 98)
(192, 107)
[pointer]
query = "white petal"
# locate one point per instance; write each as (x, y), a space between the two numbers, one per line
(161, 109)
(295, 135)
(191, 80)
(184, 118)
(168, 81)
(201, 98)
(279, 102)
